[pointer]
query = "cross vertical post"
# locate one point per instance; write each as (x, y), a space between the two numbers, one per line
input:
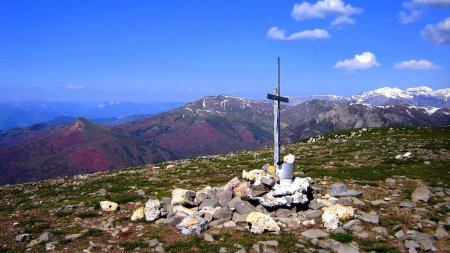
(277, 99)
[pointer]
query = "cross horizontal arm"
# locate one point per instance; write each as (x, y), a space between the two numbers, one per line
(279, 98)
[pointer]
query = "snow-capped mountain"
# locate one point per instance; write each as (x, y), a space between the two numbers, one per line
(418, 96)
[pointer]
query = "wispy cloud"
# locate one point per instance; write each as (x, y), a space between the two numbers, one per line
(432, 3)
(75, 86)
(415, 64)
(438, 34)
(406, 18)
(414, 9)
(362, 61)
(275, 33)
(324, 8)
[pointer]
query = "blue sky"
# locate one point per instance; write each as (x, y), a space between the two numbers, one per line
(164, 50)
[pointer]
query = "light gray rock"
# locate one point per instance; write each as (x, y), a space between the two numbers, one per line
(239, 218)
(421, 194)
(208, 237)
(224, 197)
(192, 224)
(380, 230)
(425, 240)
(229, 224)
(353, 225)
(153, 210)
(223, 213)
(283, 213)
(50, 246)
(23, 237)
(209, 203)
(153, 243)
(407, 204)
(379, 202)
(310, 214)
(315, 234)
(340, 190)
(370, 217)
(411, 244)
(441, 233)
(244, 207)
(108, 206)
(399, 234)
(45, 237)
(268, 181)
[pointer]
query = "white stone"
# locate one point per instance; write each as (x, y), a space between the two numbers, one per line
(289, 158)
(261, 222)
(138, 214)
(153, 210)
(108, 206)
(333, 214)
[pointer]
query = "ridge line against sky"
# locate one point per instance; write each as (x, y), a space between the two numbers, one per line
(166, 50)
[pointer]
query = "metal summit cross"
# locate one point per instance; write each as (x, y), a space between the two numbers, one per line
(277, 99)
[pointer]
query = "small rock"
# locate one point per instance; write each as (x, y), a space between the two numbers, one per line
(399, 234)
(153, 243)
(441, 233)
(244, 207)
(209, 203)
(153, 210)
(50, 246)
(425, 240)
(45, 237)
(190, 225)
(224, 197)
(223, 213)
(390, 180)
(353, 225)
(108, 206)
(427, 163)
(261, 222)
(380, 230)
(183, 197)
(371, 217)
(421, 194)
(379, 202)
(315, 234)
(310, 214)
(407, 204)
(411, 244)
(208, 237)
(101, 192)
(340, 190)
(333, 214)
(23, 237)
(138, 214)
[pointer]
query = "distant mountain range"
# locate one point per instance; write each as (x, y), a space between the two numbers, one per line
(26, 113)
(419, 96)
(211, 125)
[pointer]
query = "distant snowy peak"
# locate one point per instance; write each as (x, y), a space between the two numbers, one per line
(418, 96)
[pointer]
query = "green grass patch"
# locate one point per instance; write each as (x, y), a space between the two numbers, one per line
(125, 198)
(61, 214)
(93, 233)
(341, 237)
(36, 228)
(381, 249)
(129, 246)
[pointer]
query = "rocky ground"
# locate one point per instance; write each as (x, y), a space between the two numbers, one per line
(375, 190)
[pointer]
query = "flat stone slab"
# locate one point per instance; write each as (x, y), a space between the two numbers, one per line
(315, 234)
(340, 190)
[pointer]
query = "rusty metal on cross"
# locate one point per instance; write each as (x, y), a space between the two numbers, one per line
(277, 99)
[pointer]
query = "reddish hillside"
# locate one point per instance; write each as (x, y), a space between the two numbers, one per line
(79, 148)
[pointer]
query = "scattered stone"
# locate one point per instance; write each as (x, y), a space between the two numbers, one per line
(371, 217)
(209, 203)
(421, 194)
(340, 190)
(208, 237)
(138, 214)
(23, 237)
(153, 210)
(441, 233)
(101, 192)
(390, 180)
(379, 202)
(427, 163)
(407, 204)
(261, 222)
(192, 224)
(243, 207)
(411, 244)
(72, 237)
(315, 234)
(310, 214)
(45, 237)
(233, 183)
(50, 246)
(229, 224)
(333, 214)
(399, 234)
(183, 197)
(380, 230)
(425, 240)
(153, 243)
(108, 206)
(223, 213)
(353, 225)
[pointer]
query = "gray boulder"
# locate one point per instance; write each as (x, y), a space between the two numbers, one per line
(192, 224)
(223, 213)
(340, 190)
(421, 194)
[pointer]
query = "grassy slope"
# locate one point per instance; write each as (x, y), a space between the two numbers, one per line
(34, 205)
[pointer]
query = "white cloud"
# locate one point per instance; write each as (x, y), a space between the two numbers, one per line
(365, 60)
(75, 86)
(411, 18)
(415, 64)
(432, 3)
(438, 34)
(275, 33)
(323, 8)
(343, 20)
